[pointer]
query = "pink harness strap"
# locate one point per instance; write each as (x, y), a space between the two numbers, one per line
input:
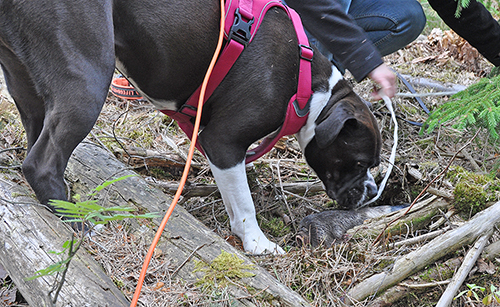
(243, 18)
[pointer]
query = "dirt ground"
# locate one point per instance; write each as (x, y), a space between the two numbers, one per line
(324, 275)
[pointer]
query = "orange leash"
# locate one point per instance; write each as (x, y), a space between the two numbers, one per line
(149, 255)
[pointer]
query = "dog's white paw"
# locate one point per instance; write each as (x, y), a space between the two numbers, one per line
(257, 243)
(263, 246)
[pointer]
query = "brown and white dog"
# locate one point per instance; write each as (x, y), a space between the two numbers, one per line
(58, 58)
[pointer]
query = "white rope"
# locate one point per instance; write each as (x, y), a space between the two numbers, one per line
(392, 158)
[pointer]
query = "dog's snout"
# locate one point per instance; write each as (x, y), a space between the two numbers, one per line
(371, 190)
(371, 186)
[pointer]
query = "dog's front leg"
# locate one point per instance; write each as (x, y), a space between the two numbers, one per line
(233, 186)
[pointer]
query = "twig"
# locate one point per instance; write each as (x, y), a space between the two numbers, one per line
(440, 193)
(116, 138)
(292, 216)
(413, 95)
(468, 263)
(483, 222)
(427, 236)
(243, 297)
(426, 285)
(99, 141)
(425, 189)
(189, 257)
(11, 166)
(11, 149)
(442, 219)
(472, 161)
(71, 253)
(22, 203)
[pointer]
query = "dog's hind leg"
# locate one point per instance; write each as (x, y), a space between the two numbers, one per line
(58, 70)
(54, 125)
(28, 102)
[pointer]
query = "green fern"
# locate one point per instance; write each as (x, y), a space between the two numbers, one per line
(476, 107)
(461, 4)
(83, 211)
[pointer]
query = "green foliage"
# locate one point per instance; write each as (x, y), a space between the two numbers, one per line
(224, 268)
(476, 107)
(91, 211)
(276, 226)
(58, 266)
(461, 4)
(83, 211)
(492, 294)
(492, 6)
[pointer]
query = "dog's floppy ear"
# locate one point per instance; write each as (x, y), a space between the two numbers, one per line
(327, 131)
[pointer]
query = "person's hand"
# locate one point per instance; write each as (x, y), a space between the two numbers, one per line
(386, 79)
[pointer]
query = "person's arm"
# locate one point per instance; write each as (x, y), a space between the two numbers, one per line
(475, 24)
(337, 31)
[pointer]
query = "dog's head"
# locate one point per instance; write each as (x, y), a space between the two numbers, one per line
(345, 146)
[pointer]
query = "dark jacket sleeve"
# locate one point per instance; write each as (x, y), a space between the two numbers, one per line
(338, 32)
(475, 24)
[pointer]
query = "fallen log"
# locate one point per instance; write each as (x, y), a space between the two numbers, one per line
(140, 157)
(184, 236)
(28, 232)
(418, 217)
(205, 189)
(491, 251)
(480, 224)
(462, 273)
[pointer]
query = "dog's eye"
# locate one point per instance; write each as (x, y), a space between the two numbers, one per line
(360, 164)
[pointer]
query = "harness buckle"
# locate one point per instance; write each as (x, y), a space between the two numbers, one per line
(188, 110)
(306, 52)
(301, 112)
(240, 30)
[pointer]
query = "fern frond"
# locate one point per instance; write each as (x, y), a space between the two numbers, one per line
(461, 4)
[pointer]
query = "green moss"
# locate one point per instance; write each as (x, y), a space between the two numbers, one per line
(383, 264)
(223, 267)
(118, 282)
(276, 226)
(469, 199)
(472, 191)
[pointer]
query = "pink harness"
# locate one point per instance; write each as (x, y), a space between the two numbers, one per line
(243, 18)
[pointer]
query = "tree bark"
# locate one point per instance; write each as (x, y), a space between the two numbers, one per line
(28, 232)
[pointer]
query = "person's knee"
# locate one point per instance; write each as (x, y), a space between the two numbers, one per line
(408, 26)
(416, 19)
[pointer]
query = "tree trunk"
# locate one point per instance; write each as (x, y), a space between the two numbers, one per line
(91, 165)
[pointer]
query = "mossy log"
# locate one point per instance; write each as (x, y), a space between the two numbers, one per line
(184, 239)
(28, 234)
(418, 217)
(481, 223)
